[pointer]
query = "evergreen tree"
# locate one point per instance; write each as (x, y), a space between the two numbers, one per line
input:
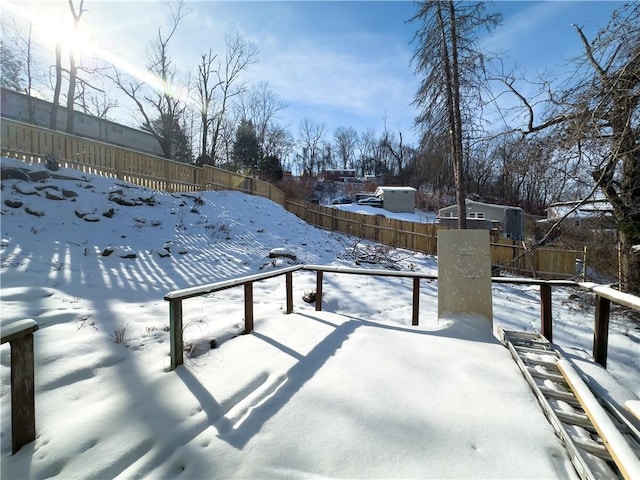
(271, 169)
(173, 138)
(246, 149)
(10, 67)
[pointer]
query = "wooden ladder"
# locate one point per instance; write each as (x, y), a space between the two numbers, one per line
(601, 442)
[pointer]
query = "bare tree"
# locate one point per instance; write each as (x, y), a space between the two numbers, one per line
(345, 140)
(73, 68)
(206, 89)
(53, 121)
(448, 56)
(159, 105)
(366, 145)
(394, 148)
(260, 105)
(94, 100)
(239, 54)
(311, 136)
(597, 121)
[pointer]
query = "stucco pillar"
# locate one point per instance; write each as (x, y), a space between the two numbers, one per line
(464, 273)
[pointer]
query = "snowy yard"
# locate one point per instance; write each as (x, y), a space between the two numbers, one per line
(353, 391)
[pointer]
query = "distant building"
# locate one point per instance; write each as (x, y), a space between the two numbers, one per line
(15, 106)
(582, 214)
(397, 199)
(339, 175)
(506, 219)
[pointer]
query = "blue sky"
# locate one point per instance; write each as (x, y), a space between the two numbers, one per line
(338, 63)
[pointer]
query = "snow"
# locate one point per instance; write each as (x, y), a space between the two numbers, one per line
(418, 216)
(352, 391)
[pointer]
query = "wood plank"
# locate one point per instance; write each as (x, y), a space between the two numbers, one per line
(23, 416)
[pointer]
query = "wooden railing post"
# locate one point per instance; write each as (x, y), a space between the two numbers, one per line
(416, 301)
(546, 312)
(175, 326)
(23, 405)
(601, 330)
(289, 287)
(318, 291)
(23, 408)
(248, 307)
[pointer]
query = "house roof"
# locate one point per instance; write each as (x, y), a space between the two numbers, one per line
(473, 202)
(588, 209)
(395, 189)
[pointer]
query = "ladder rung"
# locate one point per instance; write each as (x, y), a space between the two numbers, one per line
(546, 375)
(579, 419)
(592, 447)
(557, 394)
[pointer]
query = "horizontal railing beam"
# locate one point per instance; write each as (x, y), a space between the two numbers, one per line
(215, 287)
(621, 298)
(604, 295)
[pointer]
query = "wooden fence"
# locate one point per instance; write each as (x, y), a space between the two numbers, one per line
(34, 144)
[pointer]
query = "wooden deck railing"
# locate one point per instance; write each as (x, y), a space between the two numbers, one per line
(604, 296)
(19, 335)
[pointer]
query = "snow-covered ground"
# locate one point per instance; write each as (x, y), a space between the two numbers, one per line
(353, 391)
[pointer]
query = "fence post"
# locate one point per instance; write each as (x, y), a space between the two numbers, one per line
(318, 291)
(545, 311)
(248, 307)
(175, 326)
(416, 301)
(289, 287)
(601, 330)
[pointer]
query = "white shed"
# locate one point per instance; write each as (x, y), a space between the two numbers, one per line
(397, 199)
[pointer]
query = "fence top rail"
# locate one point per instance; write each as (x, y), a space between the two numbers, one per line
(18, 329)
(234, 282)
(621, 298)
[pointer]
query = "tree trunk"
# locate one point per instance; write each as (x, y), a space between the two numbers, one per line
(629, 263)
(456, 139)
(71, 94)
(53, 120)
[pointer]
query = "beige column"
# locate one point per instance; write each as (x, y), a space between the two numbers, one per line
(464, 273)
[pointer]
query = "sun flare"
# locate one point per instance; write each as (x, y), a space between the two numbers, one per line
(52, 23)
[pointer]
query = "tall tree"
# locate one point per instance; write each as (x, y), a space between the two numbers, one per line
(55, 103)
(260, 105)
(73, 67)
(346, 140)
(160, 105)
(206, 89)
(449, 59)
(239, 54)
(310, 139)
